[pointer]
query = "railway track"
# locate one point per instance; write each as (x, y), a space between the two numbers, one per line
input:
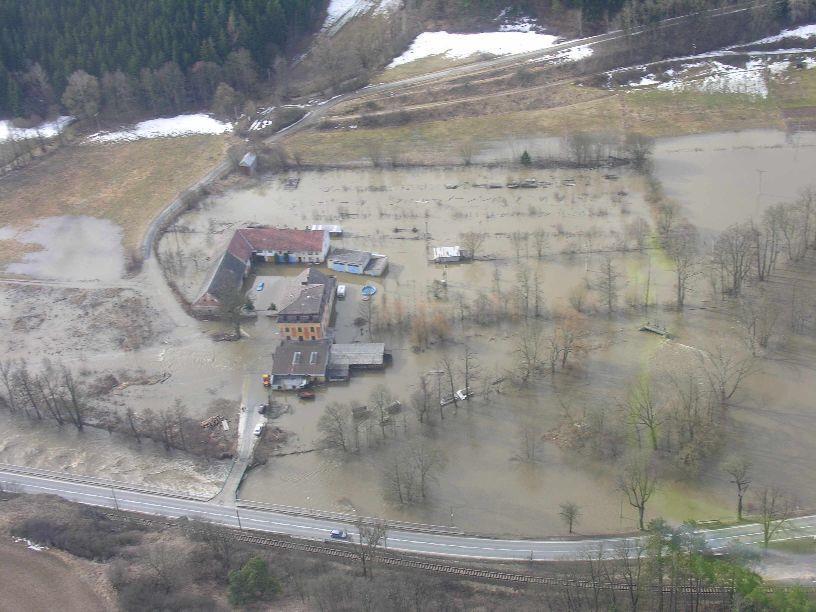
(402, 561)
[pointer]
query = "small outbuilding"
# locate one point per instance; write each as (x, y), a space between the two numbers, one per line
(249, 164)
(447, 254)
(335, 231)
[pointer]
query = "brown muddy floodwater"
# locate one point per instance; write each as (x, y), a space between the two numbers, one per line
(485, 485)
(727, 178)
(73, 248)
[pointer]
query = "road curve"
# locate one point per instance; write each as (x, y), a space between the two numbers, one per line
(95, 492)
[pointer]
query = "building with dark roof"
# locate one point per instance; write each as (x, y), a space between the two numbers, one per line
(296, 364)
(308, 315)
(357, 262)
(251, 244)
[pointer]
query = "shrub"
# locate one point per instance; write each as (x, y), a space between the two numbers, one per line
(252, 582)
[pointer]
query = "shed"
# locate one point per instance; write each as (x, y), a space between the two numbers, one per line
(347, 260)
(447, 254)
(334, 230)
(362, 355)
(248, 163)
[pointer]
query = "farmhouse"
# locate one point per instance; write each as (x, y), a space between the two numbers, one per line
(251, 244)
(297, 364)
(308, 315)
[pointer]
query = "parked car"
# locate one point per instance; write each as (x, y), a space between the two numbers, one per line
(267, 380)
(339, 534)
(261, 408)
(260, 286)
(341, 292)
(258, 430)
(306, 395)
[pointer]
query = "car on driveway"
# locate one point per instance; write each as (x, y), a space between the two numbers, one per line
(339, 534)
(258, 430)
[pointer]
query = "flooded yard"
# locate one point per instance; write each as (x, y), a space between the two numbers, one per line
(551, 240)
(507, 456)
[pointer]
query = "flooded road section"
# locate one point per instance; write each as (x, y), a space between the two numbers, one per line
(503, 471)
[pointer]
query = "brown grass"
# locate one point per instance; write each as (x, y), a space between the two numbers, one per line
(568, 109)
(128, 183)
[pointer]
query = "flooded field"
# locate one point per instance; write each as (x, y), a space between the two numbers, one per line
(722, 179)
(489, 481)
(505, 465)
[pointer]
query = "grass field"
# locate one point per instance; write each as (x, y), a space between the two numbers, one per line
(656, 113)
(128, 183)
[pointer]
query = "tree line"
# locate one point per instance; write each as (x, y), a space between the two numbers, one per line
(54, 393)
(156, 56)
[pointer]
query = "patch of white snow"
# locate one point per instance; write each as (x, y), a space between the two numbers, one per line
(49, 129)
(803, 32)
(165, 127)
(458, 46)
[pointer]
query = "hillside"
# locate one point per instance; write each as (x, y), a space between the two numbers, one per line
(139, 49)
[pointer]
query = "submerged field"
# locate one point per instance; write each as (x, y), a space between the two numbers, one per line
(506, 466)
(127, 184)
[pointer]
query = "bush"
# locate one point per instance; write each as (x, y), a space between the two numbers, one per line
(83, 532)
(252, 582)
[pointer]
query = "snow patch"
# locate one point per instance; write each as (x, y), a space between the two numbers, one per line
(716, 77)
(30, 545)
(458, 46)
(166, 127)
(341, 11)
(49, 129)
(803, 32)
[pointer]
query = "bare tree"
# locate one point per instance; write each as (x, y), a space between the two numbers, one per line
(529, 436)
(638, 482)
(682, 246)
(541, 240)
(334, 426)
(447, 366)
(773, 509)
(725, 371)
(421, 399)
(732, 256)
(570, 513)
(607, 285)
(370, 535)
(643, 409)
(427, 462)
(529, 350)
(470, 367)
(7, 376)
(519, 241)
(758, 315)
(739, 469)
(472, 242)
(638, 148)
(231, 307)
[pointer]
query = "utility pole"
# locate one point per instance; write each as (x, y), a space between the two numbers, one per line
(115, 502)
(239, 519)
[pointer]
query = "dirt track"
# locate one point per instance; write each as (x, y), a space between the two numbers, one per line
(42, 580)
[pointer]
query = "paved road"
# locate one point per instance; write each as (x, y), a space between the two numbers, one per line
(311, 528)
(252, 395)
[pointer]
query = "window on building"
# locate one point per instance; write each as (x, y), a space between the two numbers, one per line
(300, 330)
(313, 358)
(296, 358)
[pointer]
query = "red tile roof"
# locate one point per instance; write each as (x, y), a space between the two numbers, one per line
(254, 239)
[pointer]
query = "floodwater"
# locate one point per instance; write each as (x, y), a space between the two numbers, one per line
(123, 326)
(723, 179)
(73, 248)
(484, 485)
